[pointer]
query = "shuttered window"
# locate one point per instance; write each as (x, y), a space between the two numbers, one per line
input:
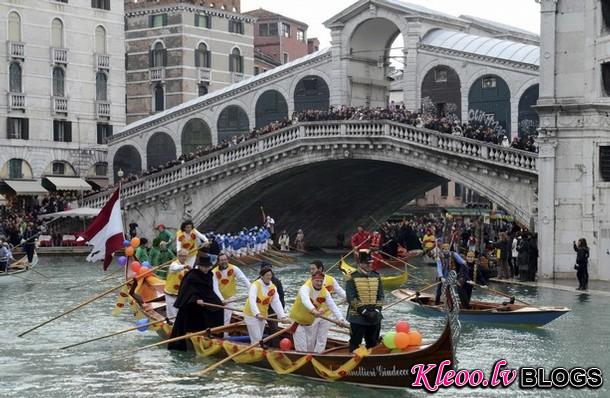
(604, 163)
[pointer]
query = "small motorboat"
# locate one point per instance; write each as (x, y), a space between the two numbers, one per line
(487, 312)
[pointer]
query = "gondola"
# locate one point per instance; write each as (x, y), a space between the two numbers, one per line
(389, 282)
(378, 367)
(17, 272)
(487, 312)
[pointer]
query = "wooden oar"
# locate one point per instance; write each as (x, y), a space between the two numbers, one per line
(299, 250)
(21, 277)
(91, 300)
(188, 335)
(500, 293)
(347, 255)
(244, 350)
(332, 321)
(109, 276)
(391, 266)
(411, 296)
(240, 262)
(114, 334)
(39, 273)
(397, 259)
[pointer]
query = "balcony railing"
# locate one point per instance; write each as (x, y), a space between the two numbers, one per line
(59, 55)
(59, 104)
(236, 77)
(102, 61)
(205, 75)
(16, 101)
(102, 108)
(16, 50)
(157, 74)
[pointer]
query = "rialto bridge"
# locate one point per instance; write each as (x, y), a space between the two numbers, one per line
(329, 176)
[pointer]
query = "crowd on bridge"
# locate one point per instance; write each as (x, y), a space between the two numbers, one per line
(394, 112)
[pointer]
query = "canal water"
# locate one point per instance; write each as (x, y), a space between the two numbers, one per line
(33, 366)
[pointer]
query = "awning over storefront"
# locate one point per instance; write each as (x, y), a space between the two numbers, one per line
(81, 212)
(65, 184)
(98, 182)
(26, 187)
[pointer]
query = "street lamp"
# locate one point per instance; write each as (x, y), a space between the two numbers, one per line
(120, 173)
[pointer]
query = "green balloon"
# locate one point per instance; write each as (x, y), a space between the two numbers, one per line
(388, 340)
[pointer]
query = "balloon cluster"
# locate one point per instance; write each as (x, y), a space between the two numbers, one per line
(138, 269)
(403, 337)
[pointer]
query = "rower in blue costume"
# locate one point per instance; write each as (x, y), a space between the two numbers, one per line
(445, 263)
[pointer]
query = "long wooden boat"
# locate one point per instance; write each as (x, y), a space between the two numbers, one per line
(487, 312)
(17, 272)
(389, 282)
(378, 367)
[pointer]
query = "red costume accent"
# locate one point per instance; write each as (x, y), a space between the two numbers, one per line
(359, 237)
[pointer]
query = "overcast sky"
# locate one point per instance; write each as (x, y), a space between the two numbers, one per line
(524, 14)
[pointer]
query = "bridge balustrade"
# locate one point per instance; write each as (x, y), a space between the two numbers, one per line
(461, 146)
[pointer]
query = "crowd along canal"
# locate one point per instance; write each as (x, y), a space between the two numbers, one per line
(33, 366)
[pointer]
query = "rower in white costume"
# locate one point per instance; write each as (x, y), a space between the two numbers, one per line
(330, 283)
(262, 294)
(190, 239)
(312, 302)
(227, 275)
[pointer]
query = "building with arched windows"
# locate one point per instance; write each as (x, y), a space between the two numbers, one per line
(62, 83)
(178, 51)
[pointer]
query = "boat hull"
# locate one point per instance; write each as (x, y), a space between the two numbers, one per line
(499, 314)
(380, 369)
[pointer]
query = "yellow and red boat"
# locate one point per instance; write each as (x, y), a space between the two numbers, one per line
(378, 367)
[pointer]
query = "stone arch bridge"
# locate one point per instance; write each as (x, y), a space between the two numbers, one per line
(325, 177)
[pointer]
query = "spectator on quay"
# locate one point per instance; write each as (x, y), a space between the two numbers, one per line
(582, 262)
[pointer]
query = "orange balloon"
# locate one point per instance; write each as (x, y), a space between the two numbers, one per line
(401, 340)
(415, 338)
(135, 242)
(129, 251)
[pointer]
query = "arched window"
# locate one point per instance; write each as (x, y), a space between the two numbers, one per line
(101, 86)
(236, 61)
(203, 57)
(57, 33)
(311, 92)
(233, 120)
(100, 40)
(160, 150)
(196, 133)
(15, 78)
(58, 82)
(158, 56)
(159, 98)
(14, 27)
(270, 107)
(128, 160)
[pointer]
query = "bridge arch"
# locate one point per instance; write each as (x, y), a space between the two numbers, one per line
(278, 186)
(489, 103)
(195, 133)
(528, 117)
(441, 90)
(127, 158)
(270, 106)
(160, 149)
(232, 121)
(311, 92)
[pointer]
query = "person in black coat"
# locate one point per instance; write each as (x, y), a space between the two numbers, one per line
(197, 288)
(582, 263)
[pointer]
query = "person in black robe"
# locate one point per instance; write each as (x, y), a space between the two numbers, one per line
(196, 288)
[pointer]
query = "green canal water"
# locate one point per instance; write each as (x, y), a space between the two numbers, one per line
(33, 366)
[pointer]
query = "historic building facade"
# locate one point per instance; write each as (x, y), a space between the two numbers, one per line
(280, 38)
(181, 50)
(574, 140)
(62, 78)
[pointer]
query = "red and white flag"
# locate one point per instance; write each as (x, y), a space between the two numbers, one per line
(105, 233)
